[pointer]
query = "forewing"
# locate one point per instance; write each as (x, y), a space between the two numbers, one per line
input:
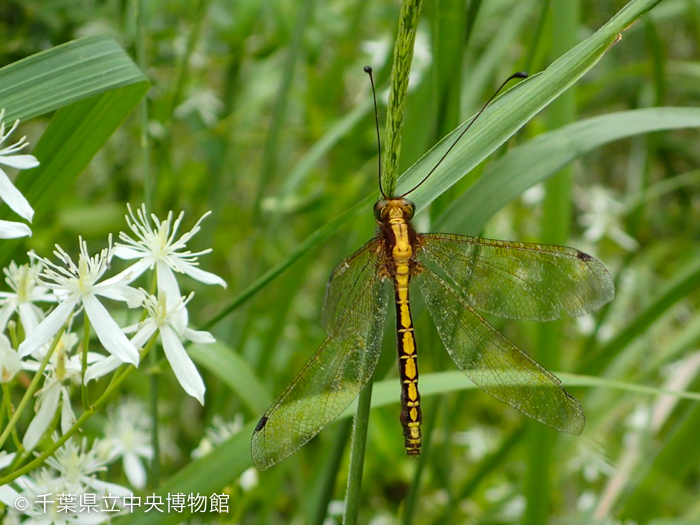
(347, 283)
(333, 377)
(495, 364)
(516, 280)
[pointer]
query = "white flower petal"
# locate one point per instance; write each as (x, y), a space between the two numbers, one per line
(147, 329)
(131, 328)
(20, 162)
(67, 415)
(134, 470)
(131, 273)
(102, 368)
(27, 314)
(116, 292)
(167, 286)
(108, 331)
(8, 495)
(14, 230)
(42, 419)
(104, 487)
(128, 254)
(12, 196)
(198, 336)
(183, 367)
(48, 328)
(6, 312)
(197, 274)
(93, 357)
(6, 459)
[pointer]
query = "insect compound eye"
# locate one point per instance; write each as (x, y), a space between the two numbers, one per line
(378, 207)
(409, 208)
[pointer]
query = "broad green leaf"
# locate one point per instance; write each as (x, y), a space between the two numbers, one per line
(65, 74)
(541, 157)
(94, 85)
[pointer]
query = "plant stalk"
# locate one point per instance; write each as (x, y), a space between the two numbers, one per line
(32, 388)
(400, 72)
(556, 218)
(117, 379)
(357, 456)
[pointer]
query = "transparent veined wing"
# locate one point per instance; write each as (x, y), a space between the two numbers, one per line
(338, 371)
(495, 364)
(347, 283)
(515, 280)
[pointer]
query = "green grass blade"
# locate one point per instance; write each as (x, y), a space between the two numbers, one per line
(206, 475)
(65, 74)
(234, 371)
(357, 456)
(541, 157)
(541, 477)
(686, 282)
(321, 492)
(490, 62)
(513, 109)
(660, 487)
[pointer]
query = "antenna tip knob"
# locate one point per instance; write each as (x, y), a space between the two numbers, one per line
(367, 69)
(521, 74)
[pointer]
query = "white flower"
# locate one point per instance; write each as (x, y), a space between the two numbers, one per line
(156, 246)
(61, 371)
(10, 362)
(44, 505)
(77, 466)
(6, 459)
(128, 435)
(203, 102)
(26, 290)
(75, 285)
(249, 479)
(53, 495)
(217, 433)
(167, 321)
(605, 218)
(590, 459)
(8, 193)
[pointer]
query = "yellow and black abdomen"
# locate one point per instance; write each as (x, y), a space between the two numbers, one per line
(411, 415)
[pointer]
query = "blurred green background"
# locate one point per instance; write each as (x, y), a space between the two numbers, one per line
(259, 111)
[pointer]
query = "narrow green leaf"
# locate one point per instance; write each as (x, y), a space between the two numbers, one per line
(541, 157)
(94, 85)
(513, 109)
(233, 370)
(65, 74)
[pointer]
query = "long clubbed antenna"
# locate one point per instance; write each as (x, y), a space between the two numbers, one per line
(519, 74)
(368, 70)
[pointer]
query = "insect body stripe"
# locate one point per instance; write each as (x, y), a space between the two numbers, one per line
(411, 415)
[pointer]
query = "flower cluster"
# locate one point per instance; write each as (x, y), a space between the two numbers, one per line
(53, 308)
(72, 470)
